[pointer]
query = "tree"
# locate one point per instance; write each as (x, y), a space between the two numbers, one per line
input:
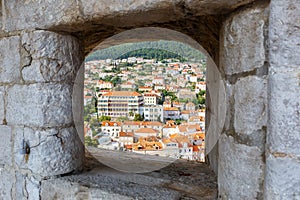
(88, 141)
(159, 118)
(178, 121)
(131, 114)
(105, 118)
(138, 117)
(201, 92)
(87, 118)
(121, 119)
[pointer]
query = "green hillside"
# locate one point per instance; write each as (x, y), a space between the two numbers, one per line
(158, 49)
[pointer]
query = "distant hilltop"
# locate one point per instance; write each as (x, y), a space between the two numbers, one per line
(154, 49)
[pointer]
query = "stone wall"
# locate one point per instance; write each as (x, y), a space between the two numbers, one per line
(38, 136)
(255, 45)
(283, 153)
(244, 60)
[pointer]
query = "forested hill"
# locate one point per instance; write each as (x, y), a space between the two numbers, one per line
(157, 49)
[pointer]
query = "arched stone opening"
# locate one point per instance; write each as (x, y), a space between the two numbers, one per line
(152, 34)
(36, 79)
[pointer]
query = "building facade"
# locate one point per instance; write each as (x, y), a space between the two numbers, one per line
(120, 104)
(153, 112)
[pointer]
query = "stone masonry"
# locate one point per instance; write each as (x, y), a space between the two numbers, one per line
(254, 44)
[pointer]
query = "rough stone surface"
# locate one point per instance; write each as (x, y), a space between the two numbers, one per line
(283, 160)
(284, 111)
(279, 185)
(9, 59)
(250, 110)
(52, 151)
(40, 113)
(39, 105)
(54, 57)
(33, 188)
(65, 13)
(240, 170)
(48, 13)
(5, 145)
(242, 42)
(284, 34)
(179, 180)
(61, 189)
(6, 183)
(284, 78)
(2, 106)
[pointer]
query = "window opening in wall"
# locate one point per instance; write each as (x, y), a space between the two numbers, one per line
(149, 100)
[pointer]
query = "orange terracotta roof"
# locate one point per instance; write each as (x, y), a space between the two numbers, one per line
(146, 130)
(124, 134)
(196, 148)
(171, 108)
(145, 87)
(184, 128)
(122, 93)
(190, 104)
(101, 81)
(111, 123)
(143, 123)
(172, 136)
(200, 118)
(150, 95)
(128, 146)
(169, 126)
(185, 112)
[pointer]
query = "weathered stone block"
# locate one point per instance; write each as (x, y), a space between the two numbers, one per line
(242, 41)
(282, 178)
(250, 107)
(284, 73)
(63, 189)
(9, 59)
(2, 106)
(7, 178)
(33, 187)
(54, 57)
(284, 105)
(26, 187)
(240, 174)
(5, 145)
(39, 105)
(52, 151)
(284, 34)
(49, 13)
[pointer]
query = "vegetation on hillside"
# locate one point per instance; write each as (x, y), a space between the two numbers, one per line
(156, 49)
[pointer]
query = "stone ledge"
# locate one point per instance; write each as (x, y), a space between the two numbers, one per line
(180, 180)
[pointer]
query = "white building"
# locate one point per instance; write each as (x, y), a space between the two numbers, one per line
(153, 112)
(145, 132)
(128, 86)
(150, 99)
(186, 150)
(131, 60)
(120, 103)
(131, 126)
(159, 81)
(200, 86)
(104, 85)
(125, 138)
(171, 113)
(112, 129)
(159, 87)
